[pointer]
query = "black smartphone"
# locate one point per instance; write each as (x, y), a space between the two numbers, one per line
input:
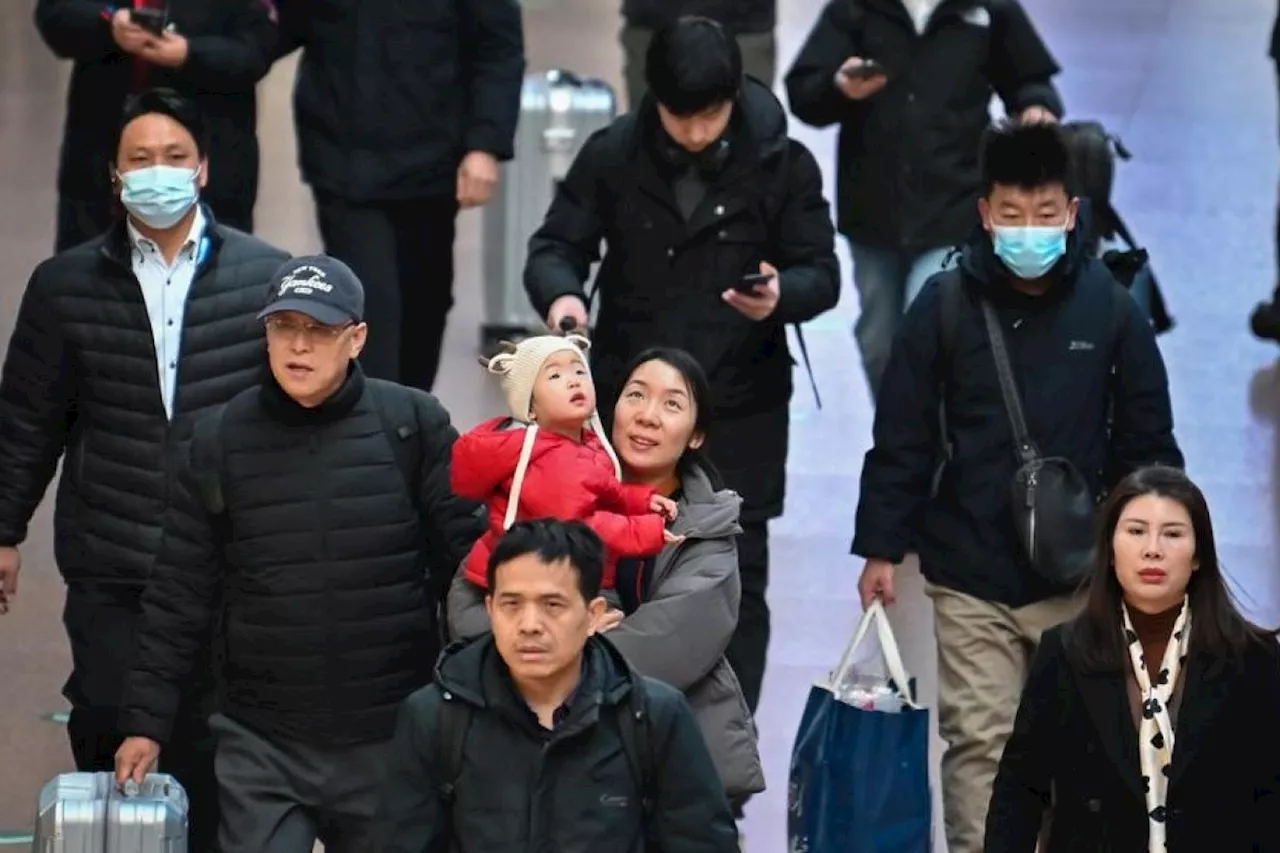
(150, 19)
(868, 69)
(748, 283)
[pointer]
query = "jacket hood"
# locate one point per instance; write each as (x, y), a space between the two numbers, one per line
(474, 671)
(706, 512)
(978, 258)
(762, 116)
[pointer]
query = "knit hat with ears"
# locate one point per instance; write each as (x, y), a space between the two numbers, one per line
(518, 367)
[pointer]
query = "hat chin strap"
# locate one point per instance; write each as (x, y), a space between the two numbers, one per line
(526, 453)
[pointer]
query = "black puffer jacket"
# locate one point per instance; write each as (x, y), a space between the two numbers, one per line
(1062, 360)
(738, 16)
(81, 376)
(571, 790)
(329, 618)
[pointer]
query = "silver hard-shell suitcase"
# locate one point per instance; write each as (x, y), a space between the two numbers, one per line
(558, 111)
(89, 813)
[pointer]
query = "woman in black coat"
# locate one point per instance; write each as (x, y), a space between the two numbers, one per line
(1150, 721)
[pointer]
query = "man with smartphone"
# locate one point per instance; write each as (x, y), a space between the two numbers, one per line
(717, 236)
(211, 51)
(909, 82)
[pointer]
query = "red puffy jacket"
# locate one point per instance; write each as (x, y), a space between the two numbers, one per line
(566, 479)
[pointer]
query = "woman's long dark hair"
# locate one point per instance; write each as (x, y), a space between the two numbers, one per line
(1097, 642)
(699, 390)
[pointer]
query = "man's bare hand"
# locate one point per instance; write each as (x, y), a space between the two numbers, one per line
(10, 565)
(856, 87)
(135, 758)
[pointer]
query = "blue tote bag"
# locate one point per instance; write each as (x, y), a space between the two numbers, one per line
(860, 764)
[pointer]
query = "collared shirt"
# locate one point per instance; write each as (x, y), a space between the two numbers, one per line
(164, 289)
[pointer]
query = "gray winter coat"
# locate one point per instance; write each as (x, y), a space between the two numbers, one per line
(680, 634)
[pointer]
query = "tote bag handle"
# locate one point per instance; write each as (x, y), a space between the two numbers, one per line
(888, 648)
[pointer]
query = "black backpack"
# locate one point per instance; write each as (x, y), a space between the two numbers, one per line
(1094, 152)
(632, 718)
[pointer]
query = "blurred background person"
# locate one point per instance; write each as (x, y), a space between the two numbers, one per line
(212, 51)
(909, 82)
(403, 110)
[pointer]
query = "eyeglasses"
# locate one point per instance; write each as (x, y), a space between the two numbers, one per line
(314, 332)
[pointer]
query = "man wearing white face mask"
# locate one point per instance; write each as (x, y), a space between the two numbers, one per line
(120, 345)
(1093, 388)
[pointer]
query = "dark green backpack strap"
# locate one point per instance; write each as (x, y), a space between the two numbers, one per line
(400, 425)
(452, 727)
(634, 728)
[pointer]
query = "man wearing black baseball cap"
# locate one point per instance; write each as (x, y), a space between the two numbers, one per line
(318, 508)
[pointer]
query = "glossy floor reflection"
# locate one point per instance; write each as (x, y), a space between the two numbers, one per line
(1185, 82)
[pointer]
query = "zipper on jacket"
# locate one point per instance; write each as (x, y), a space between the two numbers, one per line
(1031, 514)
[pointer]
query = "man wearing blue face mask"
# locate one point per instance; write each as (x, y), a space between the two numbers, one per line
(120, 345)
(1094, 392)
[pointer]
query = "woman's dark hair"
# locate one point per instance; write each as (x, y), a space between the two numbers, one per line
(169, 103)
(699, 389)
(1097, 641)
(1027, 156)
(693, 64)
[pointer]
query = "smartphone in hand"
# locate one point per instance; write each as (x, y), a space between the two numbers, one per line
(868, 69)
(150, 19)
(748, 283)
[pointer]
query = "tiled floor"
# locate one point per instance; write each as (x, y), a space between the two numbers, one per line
(1187, 84)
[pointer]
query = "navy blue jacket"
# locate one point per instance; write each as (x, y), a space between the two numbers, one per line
(1058, 345)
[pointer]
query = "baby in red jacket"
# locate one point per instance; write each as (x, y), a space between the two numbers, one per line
(549, 458)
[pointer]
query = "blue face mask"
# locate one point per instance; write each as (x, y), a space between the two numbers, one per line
(1030, 251)
(159, 196)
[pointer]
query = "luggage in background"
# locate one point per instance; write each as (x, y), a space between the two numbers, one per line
(558, 111)
(88, 813)
(1093, 154)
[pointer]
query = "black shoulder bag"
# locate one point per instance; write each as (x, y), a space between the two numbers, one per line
(1053, 506)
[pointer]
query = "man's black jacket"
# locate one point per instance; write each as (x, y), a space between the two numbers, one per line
(299, 526)
(662, 277)
(571, 790)
(81, 375)
(1058, 345)
(907, 162)
(392, 93)
(231, 45)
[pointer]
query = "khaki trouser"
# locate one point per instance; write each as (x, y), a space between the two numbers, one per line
(984, 651)
(759, 58)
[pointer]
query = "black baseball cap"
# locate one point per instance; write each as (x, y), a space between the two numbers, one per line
(320, 286)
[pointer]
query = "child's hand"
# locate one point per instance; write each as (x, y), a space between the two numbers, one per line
(664, 507)
(671, 538)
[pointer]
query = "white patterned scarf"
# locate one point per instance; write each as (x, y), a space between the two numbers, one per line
(1155, 730)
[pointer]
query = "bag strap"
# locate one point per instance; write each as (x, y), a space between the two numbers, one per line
(400, 425)
(633, 729)
(451, 729)
(876, 615)
(1024, 446)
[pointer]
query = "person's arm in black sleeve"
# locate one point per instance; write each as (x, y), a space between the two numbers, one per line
(291, 25)
(1142, 427)
(563, 249)
(233, 62)
(808, 273)
(899, 467)
(76, 29)
(691, 813)
(1020, 794)
(811, 81)
(451, 524)
(36, 391)
(179, 602)
(1019, 66)
(493, 55)
(410, 819)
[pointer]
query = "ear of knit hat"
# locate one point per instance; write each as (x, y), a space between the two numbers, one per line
(518, 370)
